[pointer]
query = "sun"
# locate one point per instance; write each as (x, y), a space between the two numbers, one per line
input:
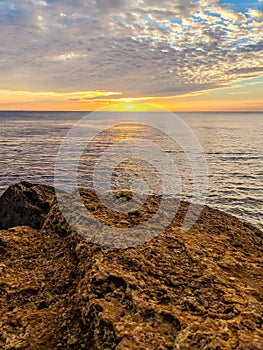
(131, 107)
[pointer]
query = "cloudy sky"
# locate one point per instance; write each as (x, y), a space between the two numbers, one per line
(86, 54)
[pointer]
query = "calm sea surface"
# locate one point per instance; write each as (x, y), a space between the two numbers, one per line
(232, 143)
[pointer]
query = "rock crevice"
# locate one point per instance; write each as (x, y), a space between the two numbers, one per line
(196, 290)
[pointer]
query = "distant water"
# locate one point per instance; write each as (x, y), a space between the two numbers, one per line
(232, 143)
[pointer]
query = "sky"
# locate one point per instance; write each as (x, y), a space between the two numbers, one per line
(182, 55)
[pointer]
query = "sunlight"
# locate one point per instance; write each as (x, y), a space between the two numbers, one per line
(131, 107)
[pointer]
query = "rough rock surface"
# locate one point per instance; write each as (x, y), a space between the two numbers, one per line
(196, 290)
(25, 204)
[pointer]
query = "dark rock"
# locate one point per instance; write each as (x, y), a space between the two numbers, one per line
(25, 204)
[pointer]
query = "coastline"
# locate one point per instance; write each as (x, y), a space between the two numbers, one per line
(196, 290)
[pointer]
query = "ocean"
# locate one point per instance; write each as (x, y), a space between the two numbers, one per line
(231, 142)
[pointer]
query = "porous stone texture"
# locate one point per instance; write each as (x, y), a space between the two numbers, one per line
(196, 290)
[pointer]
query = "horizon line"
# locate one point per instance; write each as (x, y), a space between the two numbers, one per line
(90, 111)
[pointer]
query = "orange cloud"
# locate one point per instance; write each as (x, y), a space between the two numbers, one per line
(240, 97)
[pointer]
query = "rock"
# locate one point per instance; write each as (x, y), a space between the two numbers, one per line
(59, 291)
(25, 204)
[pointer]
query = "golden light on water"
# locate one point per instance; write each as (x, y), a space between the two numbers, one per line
(125, 132)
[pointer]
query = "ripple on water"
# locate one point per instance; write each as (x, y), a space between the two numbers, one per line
(232, 143)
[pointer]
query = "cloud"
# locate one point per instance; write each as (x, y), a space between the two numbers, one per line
(110, 4)
(255, 14)
(137, 47)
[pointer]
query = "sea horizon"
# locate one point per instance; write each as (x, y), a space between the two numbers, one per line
(127, 111)
(231, 143)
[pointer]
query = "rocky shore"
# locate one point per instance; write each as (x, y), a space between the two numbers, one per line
(197, 290)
